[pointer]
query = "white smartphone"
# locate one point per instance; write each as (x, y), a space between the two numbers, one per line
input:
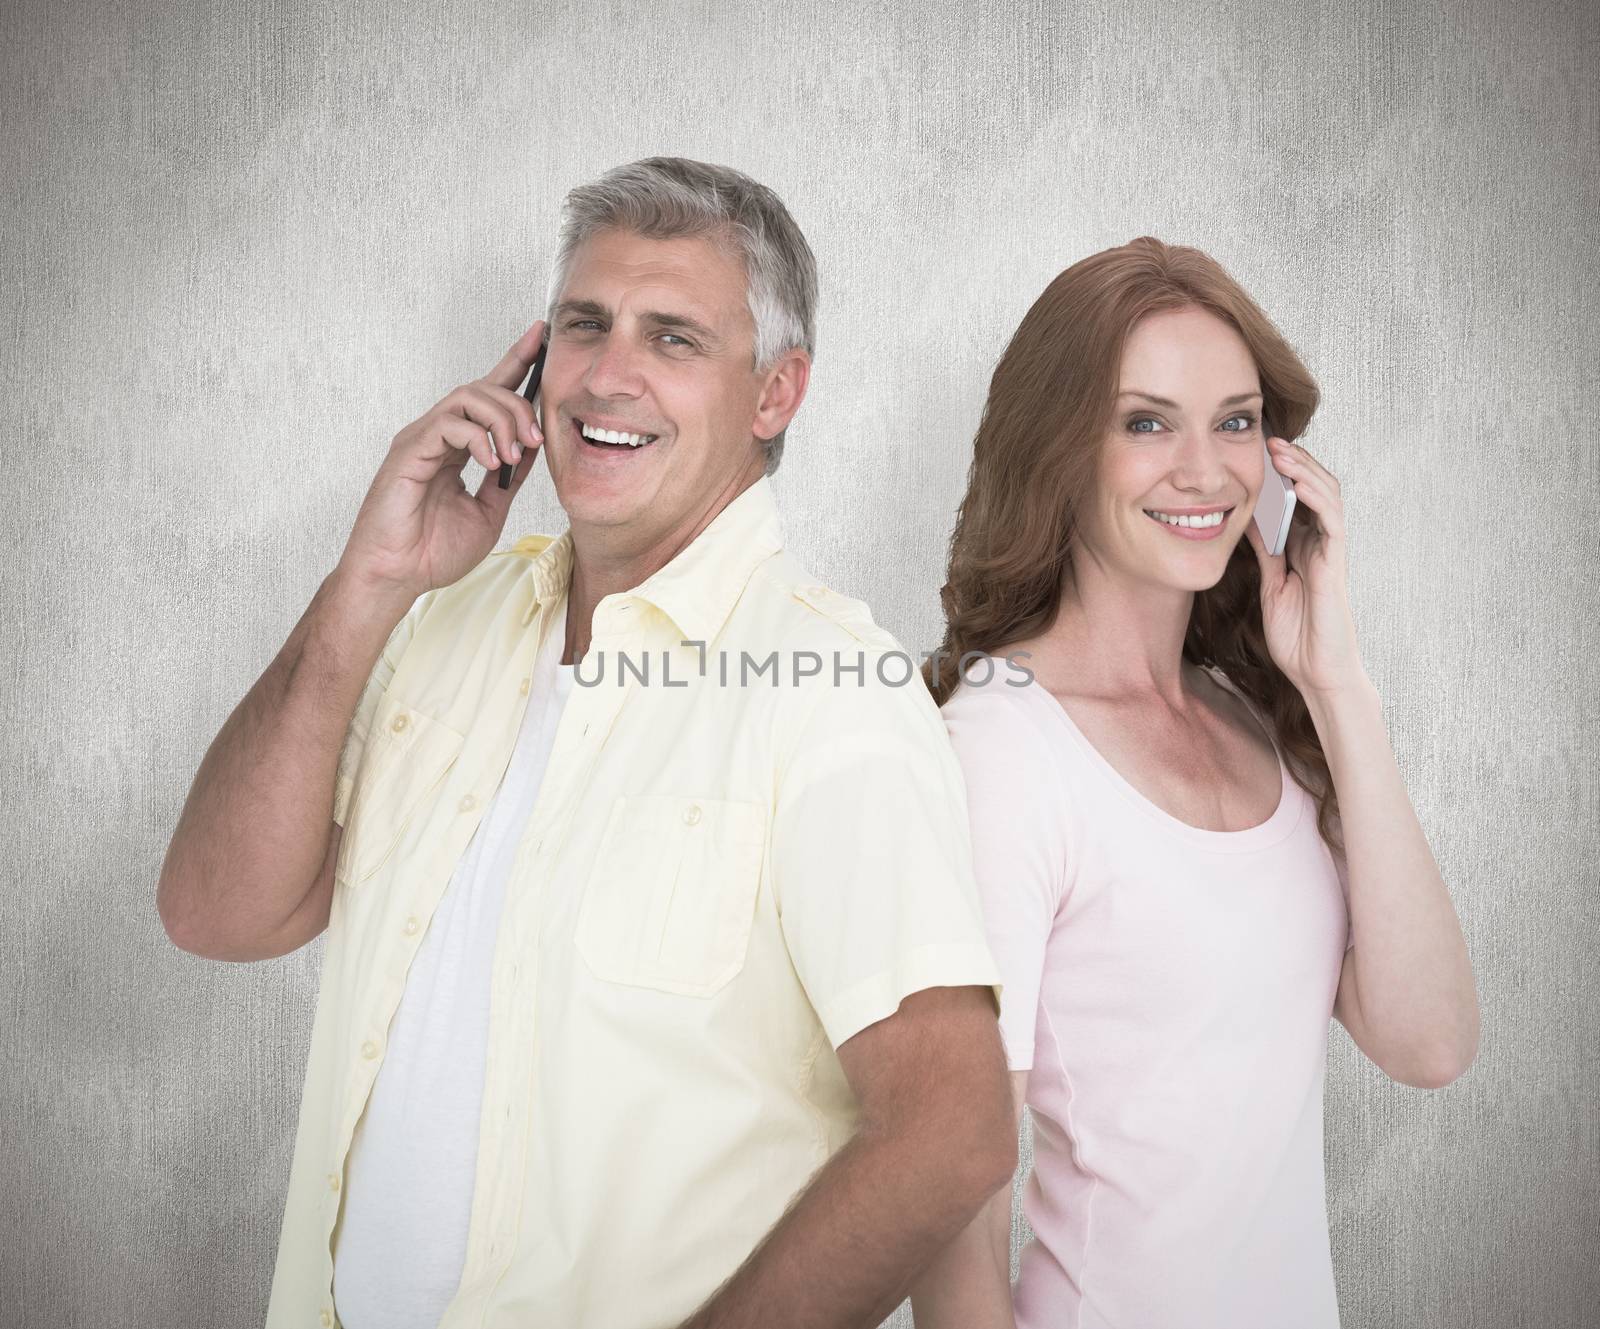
(1275, 502)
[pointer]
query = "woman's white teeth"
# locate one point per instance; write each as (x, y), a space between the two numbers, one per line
(616, 436)
(1210, 519)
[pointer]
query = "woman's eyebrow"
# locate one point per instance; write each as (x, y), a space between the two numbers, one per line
(1235, 400)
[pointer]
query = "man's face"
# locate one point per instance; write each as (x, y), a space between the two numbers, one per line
(652, 338)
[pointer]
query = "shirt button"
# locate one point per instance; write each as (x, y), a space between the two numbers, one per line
(333, 1181)
(467, 803)
(400, 722)
(412, 924)
(369, 1049)
(327, 1318)
(691, 814)
(522, 687)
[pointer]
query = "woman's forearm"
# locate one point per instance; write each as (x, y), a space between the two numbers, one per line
(1411, 1003)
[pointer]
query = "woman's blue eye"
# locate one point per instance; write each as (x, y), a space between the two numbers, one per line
(1248, 420)
(1143, 420)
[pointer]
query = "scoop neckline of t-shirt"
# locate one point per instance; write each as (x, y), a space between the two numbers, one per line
(1284, 818)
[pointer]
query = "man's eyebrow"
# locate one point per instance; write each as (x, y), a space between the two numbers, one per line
(583, 307)
(684, 324)
(655, 317)
(1237, 400)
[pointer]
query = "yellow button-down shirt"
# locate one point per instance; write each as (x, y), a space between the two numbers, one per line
(731, 868)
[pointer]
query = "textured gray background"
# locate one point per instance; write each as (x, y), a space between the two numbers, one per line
(240, 246)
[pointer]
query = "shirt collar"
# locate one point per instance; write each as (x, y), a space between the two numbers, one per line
(698, 587)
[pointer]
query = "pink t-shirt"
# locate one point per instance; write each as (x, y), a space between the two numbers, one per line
(1169, 991)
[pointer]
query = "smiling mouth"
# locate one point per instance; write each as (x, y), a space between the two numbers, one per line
(1197, 523)
(613, 440)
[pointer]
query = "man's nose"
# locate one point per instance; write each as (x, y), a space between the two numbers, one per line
(615, 369)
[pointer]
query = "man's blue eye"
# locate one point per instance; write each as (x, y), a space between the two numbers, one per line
(673, 337)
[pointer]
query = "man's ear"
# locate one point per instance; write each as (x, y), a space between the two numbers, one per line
(783, 389)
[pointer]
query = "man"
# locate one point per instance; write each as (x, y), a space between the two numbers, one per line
(655, 990)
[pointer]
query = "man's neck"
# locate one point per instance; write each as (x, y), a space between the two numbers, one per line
(605, 562)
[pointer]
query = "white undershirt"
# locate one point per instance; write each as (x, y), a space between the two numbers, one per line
(409, 1177)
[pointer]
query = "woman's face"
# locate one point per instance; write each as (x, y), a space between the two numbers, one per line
(1182, 463)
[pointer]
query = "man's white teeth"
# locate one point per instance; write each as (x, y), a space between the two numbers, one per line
(616, 436)
(1210, 519)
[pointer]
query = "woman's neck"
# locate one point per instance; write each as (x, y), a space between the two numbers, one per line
(1114, 638)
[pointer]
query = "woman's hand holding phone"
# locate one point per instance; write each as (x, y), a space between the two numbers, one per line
(418, 527)
(1305, 600)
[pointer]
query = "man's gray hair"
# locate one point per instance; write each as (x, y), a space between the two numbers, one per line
(668, 197)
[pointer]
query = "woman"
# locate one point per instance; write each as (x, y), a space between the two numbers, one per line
(1190, 833)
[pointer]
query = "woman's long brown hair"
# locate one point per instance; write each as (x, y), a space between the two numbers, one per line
(1034, 464)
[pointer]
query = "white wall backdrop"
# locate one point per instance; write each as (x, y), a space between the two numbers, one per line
(242, 244)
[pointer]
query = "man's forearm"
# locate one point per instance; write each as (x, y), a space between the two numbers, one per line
(967, 1284)
(848, 1249)
(252, 835)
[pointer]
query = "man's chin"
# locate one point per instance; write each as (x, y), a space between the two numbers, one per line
(591, 502)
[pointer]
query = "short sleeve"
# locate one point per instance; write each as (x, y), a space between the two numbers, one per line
(1017, 806)
(871, 860)
(355, 737)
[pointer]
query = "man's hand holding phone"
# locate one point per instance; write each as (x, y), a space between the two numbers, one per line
(418, 527)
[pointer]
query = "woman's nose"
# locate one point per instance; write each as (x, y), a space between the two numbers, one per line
(1199, 463)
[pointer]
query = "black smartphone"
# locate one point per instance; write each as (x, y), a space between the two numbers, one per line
(530, 390)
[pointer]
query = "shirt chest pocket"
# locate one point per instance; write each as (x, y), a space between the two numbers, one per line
(407, 756)
(671, 897)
